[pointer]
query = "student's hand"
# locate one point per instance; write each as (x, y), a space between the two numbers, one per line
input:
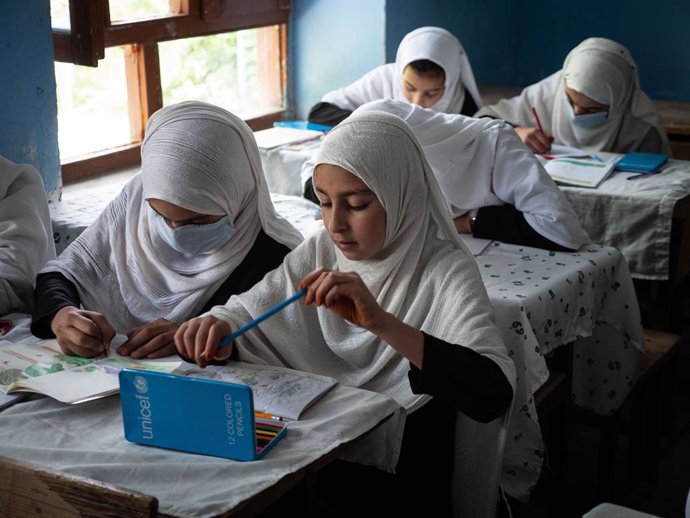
(81, 332)
(153, 340)
(202, 335)
(534, 139)
(346, 295)
(462, 224)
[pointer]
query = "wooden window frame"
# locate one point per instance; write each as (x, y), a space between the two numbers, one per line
(92, 32)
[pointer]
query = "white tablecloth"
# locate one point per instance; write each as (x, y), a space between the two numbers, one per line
(544, 300)
(635, 216)
(88, 440)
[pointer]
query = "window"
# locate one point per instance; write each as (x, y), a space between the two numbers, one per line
(117, 64)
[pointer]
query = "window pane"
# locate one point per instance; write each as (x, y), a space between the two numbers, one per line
(239, 71)
(121, 10)
(92, 106)
(59, 14)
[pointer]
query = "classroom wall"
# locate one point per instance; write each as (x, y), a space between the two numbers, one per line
(28, 100)
(518, 42)
(331, 43)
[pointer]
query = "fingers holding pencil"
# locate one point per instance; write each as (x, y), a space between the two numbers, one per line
(199, 339)
(536, 139)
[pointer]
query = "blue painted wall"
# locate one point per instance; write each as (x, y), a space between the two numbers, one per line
(28, 101)
(518, 42)
(331, 43)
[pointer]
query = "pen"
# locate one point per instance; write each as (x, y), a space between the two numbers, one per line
(240, 331)
(644, 175)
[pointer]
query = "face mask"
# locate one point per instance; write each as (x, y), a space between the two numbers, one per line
(585, 120)
(194, 239)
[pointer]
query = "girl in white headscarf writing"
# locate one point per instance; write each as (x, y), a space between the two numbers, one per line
(195, 226)
(431, 69)
(26, 235)
(593, 103)
(395, 304)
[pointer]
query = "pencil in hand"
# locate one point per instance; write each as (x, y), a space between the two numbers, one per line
(240, 331)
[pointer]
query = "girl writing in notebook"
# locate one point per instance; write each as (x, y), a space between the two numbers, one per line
(195, 226)
(431, 69)
(395, 304)
(594, 103)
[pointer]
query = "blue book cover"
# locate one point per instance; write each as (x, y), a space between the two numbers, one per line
(195, 415)
(635, 162)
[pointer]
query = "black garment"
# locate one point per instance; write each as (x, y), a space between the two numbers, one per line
(327, 113)
(54, 291)
(469, 107)
(506, 223)
(460, 379)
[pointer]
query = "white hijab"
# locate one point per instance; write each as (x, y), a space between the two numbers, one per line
(604, 71)
(26, 235)
(481, 162)
(424, 258)
(384, 82)
(199, 157)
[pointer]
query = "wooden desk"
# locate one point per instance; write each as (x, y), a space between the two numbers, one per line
(75, 458)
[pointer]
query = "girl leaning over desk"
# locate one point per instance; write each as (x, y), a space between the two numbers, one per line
(195, 226)
(395, 304)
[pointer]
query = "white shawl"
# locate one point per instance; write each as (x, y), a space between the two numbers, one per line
(384, 82)
(26, 235)
(481, 162)
(199, 157)
(604, 71)
(427, 278)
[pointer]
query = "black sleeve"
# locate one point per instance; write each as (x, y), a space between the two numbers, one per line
(469, 107)
(327, 113)
(464, 379)
(53, 291)
(266, 255)
(506, 223)
(309, 192)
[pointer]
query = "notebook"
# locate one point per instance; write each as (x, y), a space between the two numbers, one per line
(280, 136)
(635, 162)
(195, 415)
(581, 172)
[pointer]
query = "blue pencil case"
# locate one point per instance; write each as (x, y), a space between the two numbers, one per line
(635, 162)
(195, 415)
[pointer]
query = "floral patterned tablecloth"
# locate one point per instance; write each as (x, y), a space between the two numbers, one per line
(544, 300)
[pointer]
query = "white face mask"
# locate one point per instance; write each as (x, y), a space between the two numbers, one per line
(194, 239)
(585, 120)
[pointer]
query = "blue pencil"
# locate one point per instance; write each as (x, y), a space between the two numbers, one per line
(240, 331)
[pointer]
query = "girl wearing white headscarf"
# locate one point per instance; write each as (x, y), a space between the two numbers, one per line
(594, 103)
(494, 186)
(142, 269)
(26, 235)
(401, 308)
(431, 69)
